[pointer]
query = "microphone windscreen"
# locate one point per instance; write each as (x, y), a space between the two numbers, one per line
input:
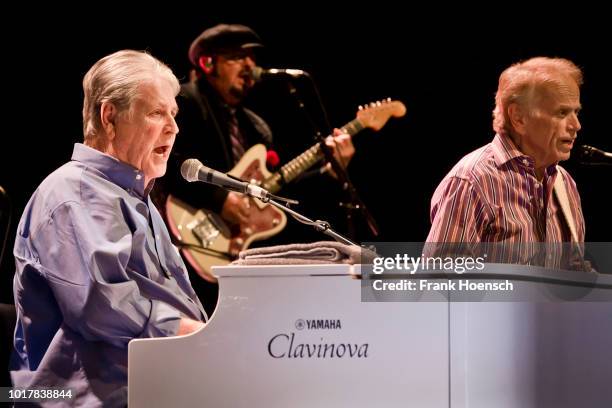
(190, 168)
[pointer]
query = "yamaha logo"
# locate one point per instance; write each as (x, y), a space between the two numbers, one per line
(300, 324)
(318, 324)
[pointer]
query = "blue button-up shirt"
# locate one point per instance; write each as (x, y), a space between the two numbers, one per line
(95, 269)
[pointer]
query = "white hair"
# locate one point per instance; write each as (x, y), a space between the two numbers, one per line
(117, 78)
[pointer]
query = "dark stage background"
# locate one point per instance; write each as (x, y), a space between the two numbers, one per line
(444, 71)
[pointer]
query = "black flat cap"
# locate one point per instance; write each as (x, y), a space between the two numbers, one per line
(223, 37)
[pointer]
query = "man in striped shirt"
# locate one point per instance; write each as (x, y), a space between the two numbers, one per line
(503, 192)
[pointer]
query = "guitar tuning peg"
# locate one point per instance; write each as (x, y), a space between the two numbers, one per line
(378, 103)
(360, 108)
(372, 104)
(388, 99)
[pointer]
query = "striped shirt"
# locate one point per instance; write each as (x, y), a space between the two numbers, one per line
(493, 195)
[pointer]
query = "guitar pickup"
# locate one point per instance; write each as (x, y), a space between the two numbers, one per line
(207, 229)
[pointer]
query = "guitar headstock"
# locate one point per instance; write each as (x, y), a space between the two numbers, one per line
(376, 114)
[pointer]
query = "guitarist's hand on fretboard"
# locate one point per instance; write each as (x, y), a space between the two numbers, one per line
(342, 146)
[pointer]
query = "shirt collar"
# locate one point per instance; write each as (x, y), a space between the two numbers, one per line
(505, 150)
(124, 175)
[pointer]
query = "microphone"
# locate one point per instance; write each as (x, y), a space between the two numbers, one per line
(194, 170)
(259, 73)
(592, 155)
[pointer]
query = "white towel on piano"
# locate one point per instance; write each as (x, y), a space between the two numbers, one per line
(321, 252)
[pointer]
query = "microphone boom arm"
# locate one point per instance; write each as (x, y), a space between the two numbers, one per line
(592, 156)
(319, 225)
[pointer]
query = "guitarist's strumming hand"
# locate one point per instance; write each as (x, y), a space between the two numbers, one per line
(342, 146)
(236, 208)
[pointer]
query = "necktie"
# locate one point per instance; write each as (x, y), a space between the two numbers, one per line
(235, 137)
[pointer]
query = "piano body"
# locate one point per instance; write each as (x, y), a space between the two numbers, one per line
(301, 336)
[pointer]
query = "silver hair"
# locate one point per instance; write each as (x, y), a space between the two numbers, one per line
(521, 82)
(117, 78)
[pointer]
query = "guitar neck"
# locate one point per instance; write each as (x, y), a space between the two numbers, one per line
(304, 161)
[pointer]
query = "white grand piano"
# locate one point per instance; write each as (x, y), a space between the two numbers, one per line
(309, 336)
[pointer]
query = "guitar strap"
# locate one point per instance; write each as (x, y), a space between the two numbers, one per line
(561, 194)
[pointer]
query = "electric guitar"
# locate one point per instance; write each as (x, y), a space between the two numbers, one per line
(207, 240)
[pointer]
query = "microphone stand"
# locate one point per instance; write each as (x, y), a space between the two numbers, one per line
(342, 176)
(356, 203)
(319, 225)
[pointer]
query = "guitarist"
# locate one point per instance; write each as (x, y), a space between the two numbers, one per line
(217, 129)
